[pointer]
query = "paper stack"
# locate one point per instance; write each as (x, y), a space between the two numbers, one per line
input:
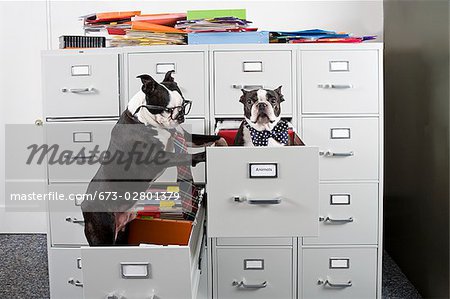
(220, 24)
(316, 36)
(131, 28)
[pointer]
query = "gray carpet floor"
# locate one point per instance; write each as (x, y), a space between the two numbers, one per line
(24, 274)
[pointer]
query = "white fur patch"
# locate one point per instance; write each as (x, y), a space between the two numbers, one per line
(247, 137)
(262, 95)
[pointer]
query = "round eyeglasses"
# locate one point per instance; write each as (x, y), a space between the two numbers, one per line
(175, 112)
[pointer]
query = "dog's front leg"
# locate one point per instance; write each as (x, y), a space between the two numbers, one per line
(199, 140)
(169, 159)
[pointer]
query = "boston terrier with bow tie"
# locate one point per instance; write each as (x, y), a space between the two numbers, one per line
(142, 146)
(262, 125)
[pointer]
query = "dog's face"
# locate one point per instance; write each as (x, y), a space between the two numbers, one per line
(262, 106)
(166, 96)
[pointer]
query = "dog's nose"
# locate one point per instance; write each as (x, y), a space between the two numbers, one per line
(262, 106)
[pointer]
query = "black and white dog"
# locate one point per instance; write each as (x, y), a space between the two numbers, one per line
(140, 150)
(262, 124)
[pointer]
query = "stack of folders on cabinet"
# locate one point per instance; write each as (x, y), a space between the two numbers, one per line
(229, 26)
(317, 36)
(132, 28)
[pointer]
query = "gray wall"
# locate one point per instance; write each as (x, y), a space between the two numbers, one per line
(417, 141)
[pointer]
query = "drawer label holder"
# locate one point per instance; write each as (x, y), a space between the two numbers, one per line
(339, 263)
(253, 264)
(263, 170)
(339, 199)
(135, 270)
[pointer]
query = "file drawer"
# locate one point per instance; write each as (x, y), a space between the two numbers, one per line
(136, 272)
(339, 81)
(195, 126)
(348, 147)
(254, 273)
(189, 74)
(348, 214)
(339, 273)
(262, 191)
(66, 277)
(234, 71)
(76, 136)
(66, 217)
(81, 85)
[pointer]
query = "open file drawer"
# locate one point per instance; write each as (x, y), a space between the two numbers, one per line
(262, 191)
(151, 272)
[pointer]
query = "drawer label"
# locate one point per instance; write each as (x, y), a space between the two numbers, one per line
(162, 68)
(81, 70)
(340, 133)
(135, 270)
(252, 66)
(253, 264)
(263, 170)
(339, 199)
(339, 263)
(82, 137)
(339, 66)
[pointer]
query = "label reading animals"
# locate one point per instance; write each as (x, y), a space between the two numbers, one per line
(263, 170)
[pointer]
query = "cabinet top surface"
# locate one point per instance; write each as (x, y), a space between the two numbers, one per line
(225, 47)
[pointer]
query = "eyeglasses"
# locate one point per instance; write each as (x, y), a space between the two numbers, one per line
(175, 112)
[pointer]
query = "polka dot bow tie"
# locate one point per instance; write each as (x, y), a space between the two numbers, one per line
(261, 138)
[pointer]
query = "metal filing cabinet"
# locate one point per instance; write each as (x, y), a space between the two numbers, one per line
(333, 97)
(84, 93)
(341, 108)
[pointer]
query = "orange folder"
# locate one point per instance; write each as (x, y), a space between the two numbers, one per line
(117, 15)
(146, 26)
(159, 232)
(168, 19)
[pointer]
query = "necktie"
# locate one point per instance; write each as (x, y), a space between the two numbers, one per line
(185, 181)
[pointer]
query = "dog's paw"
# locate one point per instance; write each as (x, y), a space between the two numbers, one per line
(221, 142)
(198, 158)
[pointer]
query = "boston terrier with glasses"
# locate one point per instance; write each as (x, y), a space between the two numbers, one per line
(143, 138)
(262, 124)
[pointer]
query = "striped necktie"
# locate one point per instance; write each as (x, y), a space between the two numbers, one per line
(189, 201)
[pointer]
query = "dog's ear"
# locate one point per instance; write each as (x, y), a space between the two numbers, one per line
(244, 93)
(168, 77)
(148, 83)
(278, 91)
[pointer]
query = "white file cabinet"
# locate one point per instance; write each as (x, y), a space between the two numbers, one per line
(309, 233)
(341, 108)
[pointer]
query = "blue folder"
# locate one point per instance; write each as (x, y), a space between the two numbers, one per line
(253, 37)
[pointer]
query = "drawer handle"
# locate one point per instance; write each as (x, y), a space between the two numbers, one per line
(331, 220)
(258, 201)
(332, 154)
(334, 285)
(74, 282)
(244, 285)
(247, 87)
(335, 86)
(75, 220)
(79, 90)
(114, 295)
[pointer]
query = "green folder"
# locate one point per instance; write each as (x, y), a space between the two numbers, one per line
(216, 13)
